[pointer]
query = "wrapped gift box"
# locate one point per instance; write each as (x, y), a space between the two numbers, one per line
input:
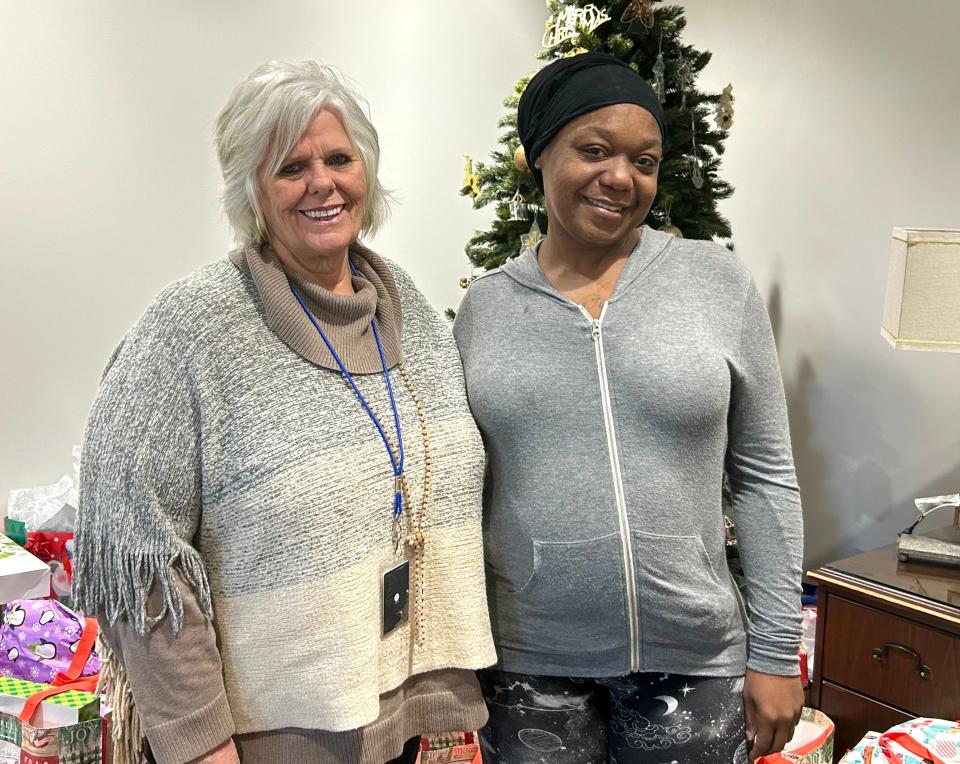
(22, 743)
(22, 576)
(458, 754)
(66, 708)
(450, 748)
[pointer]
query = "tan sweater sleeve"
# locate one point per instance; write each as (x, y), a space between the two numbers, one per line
(176, 680)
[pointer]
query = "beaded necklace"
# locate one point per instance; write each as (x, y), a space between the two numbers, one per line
(407, 519)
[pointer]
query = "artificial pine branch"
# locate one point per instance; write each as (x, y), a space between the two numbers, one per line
(693, 211)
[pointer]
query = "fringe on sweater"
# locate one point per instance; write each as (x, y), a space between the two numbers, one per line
(129, 746)
(117, 583)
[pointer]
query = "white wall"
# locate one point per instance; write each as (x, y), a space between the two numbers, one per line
(108, 178)
(847, 124)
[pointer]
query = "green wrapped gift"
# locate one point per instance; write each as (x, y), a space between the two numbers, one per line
(61, 710)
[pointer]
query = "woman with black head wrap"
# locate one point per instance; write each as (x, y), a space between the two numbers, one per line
(616, 372)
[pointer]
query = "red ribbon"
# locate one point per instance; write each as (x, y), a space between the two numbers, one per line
(908, 743)
(87, 684)
(88, 639)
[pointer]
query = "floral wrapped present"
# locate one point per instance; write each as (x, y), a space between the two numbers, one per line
(919, 741)
(865, 752)
(40, 639)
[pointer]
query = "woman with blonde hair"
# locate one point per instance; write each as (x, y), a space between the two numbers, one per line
(280, 493)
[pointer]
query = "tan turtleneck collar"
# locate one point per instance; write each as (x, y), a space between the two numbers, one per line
(345, 319)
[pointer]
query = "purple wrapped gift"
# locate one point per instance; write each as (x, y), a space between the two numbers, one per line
(38, 640)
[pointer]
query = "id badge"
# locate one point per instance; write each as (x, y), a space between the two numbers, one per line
(395, 595)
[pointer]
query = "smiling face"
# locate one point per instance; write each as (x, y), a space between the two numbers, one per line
(313, 204)
(600, 176)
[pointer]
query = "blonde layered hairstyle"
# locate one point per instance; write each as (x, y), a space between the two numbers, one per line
(263, 120)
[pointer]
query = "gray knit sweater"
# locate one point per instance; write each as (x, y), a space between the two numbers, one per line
(607, 441)
(218, 456)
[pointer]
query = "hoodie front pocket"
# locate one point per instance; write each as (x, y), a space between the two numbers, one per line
(573, 602)
(682, 598)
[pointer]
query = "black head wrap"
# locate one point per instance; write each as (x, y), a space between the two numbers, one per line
(571, 87)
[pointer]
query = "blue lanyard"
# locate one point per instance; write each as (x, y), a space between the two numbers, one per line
(396, 461)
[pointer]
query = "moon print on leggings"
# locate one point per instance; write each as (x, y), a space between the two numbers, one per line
(639, 732)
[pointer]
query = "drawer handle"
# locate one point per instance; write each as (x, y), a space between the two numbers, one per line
(879, 654)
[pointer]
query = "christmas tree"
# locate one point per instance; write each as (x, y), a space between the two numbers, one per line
(649, 37)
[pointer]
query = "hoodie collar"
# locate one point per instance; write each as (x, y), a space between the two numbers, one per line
(525, 267)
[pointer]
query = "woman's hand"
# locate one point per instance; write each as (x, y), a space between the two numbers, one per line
(772, 706)
(224, 754)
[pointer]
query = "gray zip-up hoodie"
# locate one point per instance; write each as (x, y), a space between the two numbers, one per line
(607, 440)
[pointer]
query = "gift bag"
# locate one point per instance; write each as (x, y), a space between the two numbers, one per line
(83, 743)
(56, 549)
(922, 740)
(41, 640)
(812, 741)
(919, 741)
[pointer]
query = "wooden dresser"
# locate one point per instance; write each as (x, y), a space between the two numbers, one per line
(888, 643)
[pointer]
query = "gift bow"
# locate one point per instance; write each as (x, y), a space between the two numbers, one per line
(48, 550)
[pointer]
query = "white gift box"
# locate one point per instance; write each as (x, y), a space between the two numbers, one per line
(22, 576)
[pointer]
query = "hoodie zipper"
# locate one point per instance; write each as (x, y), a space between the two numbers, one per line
(626, 543)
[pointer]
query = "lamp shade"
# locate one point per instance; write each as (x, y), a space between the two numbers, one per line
(922, 306)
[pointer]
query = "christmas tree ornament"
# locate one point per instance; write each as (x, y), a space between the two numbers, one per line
(520, 159)
(696, 174)
(576, 50)
(684, 79)
(471, 183)
(724, 115)
(532, 237)
(659, 79)
(570, 21)
(670, 228)
(641, 10)
(518, 206)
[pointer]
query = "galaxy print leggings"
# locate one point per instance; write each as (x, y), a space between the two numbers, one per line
(636, 719)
